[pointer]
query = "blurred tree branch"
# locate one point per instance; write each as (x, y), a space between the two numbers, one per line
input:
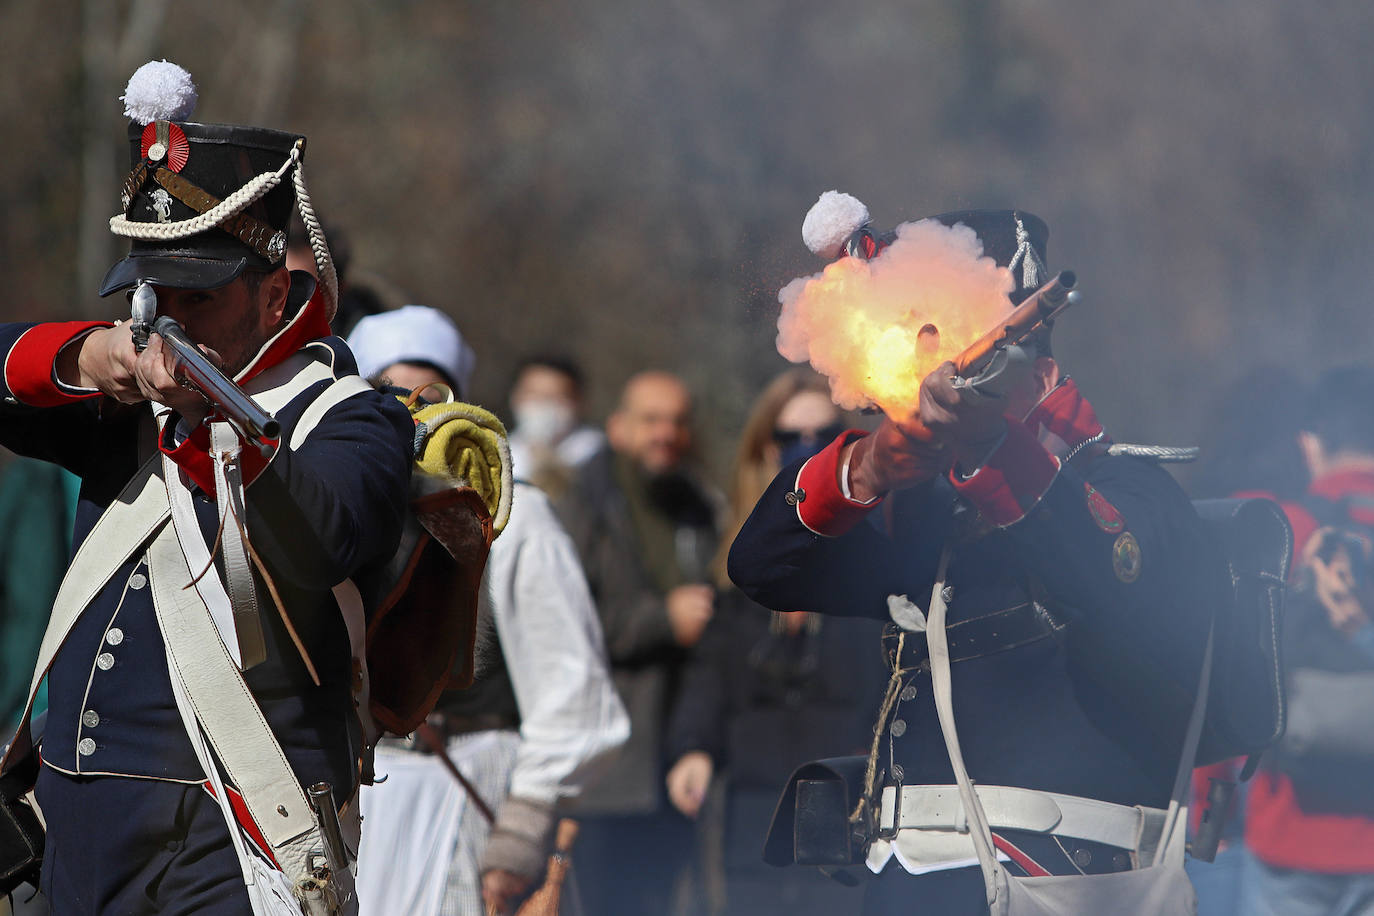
(105, 63)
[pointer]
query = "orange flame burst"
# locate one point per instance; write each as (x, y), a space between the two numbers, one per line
(877, 328)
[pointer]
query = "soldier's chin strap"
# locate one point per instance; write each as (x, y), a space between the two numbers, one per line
(233, 205)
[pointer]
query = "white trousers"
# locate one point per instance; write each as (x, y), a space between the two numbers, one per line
(422, 838)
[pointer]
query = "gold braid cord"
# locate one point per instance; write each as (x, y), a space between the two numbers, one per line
(866, 809)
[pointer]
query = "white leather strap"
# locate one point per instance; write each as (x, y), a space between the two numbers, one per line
(276, 387)
(938, 647)
(270, 892)
(141, 507)
(232, 601)
(337, 393)
(197, 654)
(235, 726)
(1170, 850)
(1014, 808)
(208, 586)
(136, 513)
(225, 449)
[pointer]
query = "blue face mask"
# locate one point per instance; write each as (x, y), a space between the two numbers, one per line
(796, 445)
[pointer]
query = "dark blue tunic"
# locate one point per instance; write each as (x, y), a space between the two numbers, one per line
(1097, 708)
(319, 515)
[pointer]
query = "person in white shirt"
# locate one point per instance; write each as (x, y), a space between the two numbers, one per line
(529, 734)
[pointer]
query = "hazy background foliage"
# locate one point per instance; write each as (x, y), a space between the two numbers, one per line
(626, 181)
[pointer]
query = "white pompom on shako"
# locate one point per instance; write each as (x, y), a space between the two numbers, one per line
(159, 91)
(831, 221)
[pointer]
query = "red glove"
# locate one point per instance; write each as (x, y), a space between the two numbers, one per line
(895, 456)
(968, 421)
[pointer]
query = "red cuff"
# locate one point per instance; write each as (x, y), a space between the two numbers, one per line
(821, 505)
(29, 367)
(193, 457)
(1014, 479)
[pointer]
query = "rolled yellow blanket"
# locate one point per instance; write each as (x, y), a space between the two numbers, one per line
(466, 444)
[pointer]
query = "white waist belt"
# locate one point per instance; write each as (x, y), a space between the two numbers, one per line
(1011, 808)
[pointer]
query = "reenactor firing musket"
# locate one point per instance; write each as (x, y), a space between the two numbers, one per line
(250, 421)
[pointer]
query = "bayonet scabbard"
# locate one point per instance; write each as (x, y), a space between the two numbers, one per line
(321, 796)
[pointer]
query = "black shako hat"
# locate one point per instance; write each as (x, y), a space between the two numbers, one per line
(183, 171)
(1014, 239)
(840, 224)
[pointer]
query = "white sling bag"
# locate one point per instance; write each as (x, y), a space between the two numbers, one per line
(1160, 888)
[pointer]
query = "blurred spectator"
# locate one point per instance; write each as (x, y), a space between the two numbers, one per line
(766, 691)
(37, 513)
(1309, 827)
(533, 729)
(549, 440)
(1251, 439)
(645, 528)
(356, 301)
(1250, 449)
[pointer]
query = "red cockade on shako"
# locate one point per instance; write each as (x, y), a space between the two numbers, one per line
(1103, 512)
(174, 148)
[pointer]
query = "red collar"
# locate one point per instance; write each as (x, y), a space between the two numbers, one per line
(1064, 420)
(311, 322)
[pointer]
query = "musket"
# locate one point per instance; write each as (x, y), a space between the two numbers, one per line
(1037, 312)
(982, 363)
(252, 422)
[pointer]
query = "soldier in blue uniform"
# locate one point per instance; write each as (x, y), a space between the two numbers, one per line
(133, 822)
(1077, 582)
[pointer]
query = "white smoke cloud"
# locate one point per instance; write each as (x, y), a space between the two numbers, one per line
(860, 322)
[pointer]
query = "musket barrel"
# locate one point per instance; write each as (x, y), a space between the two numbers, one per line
(1040, 307)
(230, 399)
(1054, 295)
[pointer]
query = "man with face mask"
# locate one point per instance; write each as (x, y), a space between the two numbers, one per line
(549, 441)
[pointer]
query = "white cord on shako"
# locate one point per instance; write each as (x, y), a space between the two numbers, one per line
(160, 90)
